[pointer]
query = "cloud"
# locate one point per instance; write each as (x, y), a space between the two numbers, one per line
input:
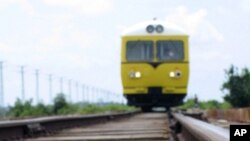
(83, 39)
(4, 49)
(24, 4)
(62, 37)
(5, 3)
(222, 10)
(68, 45)
(120, 27)
(195, 24)
(84, 7)
(245, 5)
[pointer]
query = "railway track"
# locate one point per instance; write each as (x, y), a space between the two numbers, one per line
(133, 126)
(140, 127)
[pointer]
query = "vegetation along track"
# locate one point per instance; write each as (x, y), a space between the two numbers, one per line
(139, 127)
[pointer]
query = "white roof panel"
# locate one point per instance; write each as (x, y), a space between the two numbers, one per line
(140, 29)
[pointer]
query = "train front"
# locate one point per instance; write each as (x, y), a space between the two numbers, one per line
(154, 65)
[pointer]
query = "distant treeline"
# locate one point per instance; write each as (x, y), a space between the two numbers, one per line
(210, 104)
(59, 107)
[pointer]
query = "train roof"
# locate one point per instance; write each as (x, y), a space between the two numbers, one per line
(140, 29)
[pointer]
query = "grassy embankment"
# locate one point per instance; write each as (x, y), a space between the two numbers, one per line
(62, 107)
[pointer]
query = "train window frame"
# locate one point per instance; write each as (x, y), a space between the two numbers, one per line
(151, 53)
(182, 57)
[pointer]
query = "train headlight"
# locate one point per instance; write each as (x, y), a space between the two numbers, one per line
(175, 74)
(137, 74)
(150, 29)
(159, 28)
(178, 73)
(134, 74)
(131, 74)
(172, 74)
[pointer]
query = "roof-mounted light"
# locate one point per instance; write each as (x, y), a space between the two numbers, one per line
(150, 28)
(159, 28)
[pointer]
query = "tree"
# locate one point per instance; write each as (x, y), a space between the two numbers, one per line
(210, 104)
(3, 111)
(188, 104)
(237, 86)
(59, 103)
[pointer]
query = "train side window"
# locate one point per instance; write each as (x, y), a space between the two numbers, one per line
(170, 50)
(139, 51)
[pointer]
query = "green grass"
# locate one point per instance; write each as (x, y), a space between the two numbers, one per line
(62, 107)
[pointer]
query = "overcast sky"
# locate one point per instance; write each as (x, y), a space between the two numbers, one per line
(80, 39)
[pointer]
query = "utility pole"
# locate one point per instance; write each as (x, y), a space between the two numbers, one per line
(37, 86)
(87, 94)
(108, 96)
(83, 97)
(1, 85)
(77, 94)
(69, 85)
(22, 84)
(90, 94)
(93, 94)
(61, 85)
(103, 96)
(97, 95)
(50, 88)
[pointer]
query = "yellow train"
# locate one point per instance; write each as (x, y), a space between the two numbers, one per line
(154, 65)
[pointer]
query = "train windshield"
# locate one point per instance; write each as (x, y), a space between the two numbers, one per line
(170, 50)
(139, 51)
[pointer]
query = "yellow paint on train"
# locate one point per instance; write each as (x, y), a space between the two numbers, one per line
(148, 77)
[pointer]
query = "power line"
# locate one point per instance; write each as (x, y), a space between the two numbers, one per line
(76, 90)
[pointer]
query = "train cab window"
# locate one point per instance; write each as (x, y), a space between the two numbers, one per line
(170, 50)
(139, 51)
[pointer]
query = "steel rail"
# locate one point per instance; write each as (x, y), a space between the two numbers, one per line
(191, 129)
(18, 129)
